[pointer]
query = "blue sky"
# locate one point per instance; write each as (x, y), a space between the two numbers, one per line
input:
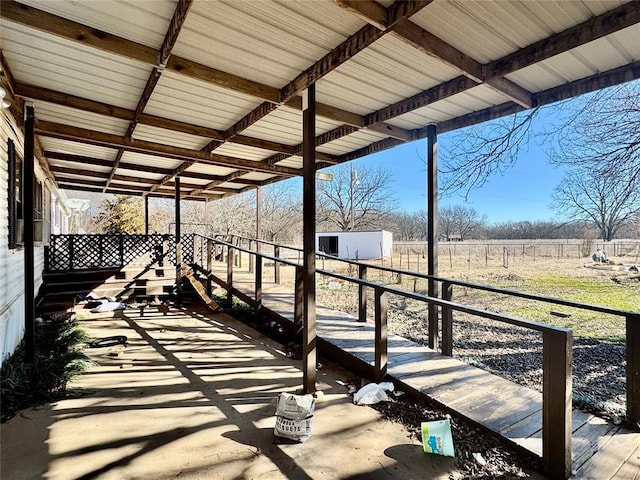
(523, 192)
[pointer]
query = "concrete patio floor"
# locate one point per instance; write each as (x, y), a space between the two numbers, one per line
(192, 396)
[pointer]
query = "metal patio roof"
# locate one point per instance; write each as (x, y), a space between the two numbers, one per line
(129, 94)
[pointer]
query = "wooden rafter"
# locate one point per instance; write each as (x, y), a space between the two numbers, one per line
(609, 22)
(170, 39)
(93, 137)
(78, 33)
(428, 43)
(357, 42)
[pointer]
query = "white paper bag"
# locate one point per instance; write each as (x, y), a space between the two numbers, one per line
(294, 415)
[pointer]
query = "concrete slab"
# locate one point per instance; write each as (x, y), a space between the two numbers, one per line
(192, 396)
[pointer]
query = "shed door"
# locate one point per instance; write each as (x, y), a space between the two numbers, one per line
(328, 245)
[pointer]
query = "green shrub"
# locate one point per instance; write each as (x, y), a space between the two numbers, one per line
(58, 359)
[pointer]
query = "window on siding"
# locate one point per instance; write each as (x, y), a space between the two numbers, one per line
(15, 196)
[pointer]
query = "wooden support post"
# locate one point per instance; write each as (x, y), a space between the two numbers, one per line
(229, 275)
(556, 403)
(432, 230)
(362, 294)
(309, 341)
(178, 242)
(447, 320)
(276, 265)
(146, 215)
(258, 280)
(251, 259)
(633, 366)
(380, 365)
(28, 205)
(298, 307)
(209, 266)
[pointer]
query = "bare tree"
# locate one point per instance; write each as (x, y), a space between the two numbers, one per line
(408, 226)
(599, 132)
(479, 151)
(460, 220)
(609, 199)
(357, 201)
(281, 212)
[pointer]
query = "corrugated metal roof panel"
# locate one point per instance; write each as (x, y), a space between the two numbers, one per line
(495, 29)
(351, 142)
(74, 148)
(257, 176)
(37, 58)
(138, 173)
(383, 74)
(169, 137)
(478, 98)
(78, 118)
(151, 160)
(597, 56)
(275, 40)
(243, 151)
(284, 125)
(210, 169)
(293, 162)
(143, 21)
(192, 101)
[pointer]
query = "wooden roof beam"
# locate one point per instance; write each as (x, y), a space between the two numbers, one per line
(93, 137)
(357, 42)
(169, 41)
(428, 43)
(609, 22)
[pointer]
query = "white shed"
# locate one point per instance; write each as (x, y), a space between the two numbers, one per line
(363, 245)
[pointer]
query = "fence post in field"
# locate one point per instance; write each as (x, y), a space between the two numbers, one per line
(362, 294)
(633, 366)
(447, 320)
(380, 364)
(276, 265)
(556, 402)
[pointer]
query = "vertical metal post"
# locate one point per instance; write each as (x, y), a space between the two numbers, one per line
(209, 265)
(258, 218)
(276, 265)
(258, 280)
(432, 229)
(556, 403)
(447, 320)
(633, 366)
(380, 369)
(230, 255)
(146, 215)
(178, 242)
(362, 294)
(309, 346)
(298, 306)
(28, 189)
(251, 259)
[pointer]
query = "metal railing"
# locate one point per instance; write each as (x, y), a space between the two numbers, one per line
(557, 342)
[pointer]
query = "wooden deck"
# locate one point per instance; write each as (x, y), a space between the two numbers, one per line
(600, 450)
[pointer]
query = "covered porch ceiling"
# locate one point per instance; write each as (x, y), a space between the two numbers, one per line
(130, 94)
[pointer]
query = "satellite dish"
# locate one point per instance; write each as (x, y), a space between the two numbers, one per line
(78, 205)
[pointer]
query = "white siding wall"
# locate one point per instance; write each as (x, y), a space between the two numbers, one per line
(12, 261)
(366, 244)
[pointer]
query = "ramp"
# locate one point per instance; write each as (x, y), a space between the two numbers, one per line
(197, 286)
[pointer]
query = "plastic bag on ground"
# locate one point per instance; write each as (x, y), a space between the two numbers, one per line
(372, 393)
(437, 438)
(294, 415)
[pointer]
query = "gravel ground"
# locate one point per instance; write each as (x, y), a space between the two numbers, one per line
(516, 353)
